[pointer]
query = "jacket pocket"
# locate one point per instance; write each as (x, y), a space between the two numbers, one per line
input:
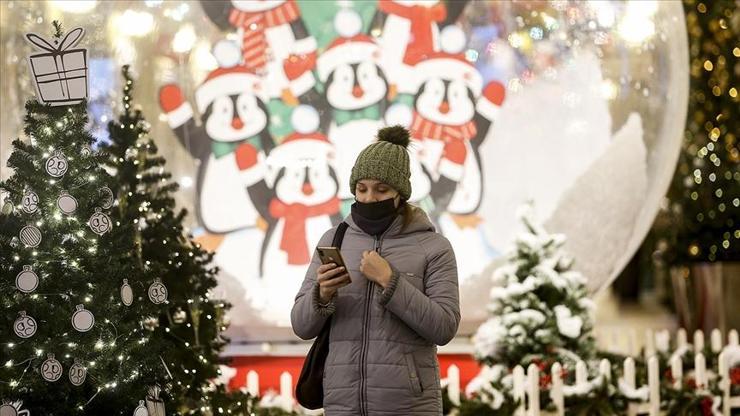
(414, 380)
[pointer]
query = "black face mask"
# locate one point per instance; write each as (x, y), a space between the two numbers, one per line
(374, 217)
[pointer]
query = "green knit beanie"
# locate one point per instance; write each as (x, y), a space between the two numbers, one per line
(386, 160)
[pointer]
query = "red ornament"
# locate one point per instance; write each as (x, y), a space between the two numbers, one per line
(706, 406)
(668, 374)
(545, 381)
(735, 376)
(691, 383)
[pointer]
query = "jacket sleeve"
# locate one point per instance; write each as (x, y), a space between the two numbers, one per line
(434, 315)
(308, 315)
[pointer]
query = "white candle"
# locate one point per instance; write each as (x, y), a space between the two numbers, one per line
(253, 383)
(286, 389)
(453, 376)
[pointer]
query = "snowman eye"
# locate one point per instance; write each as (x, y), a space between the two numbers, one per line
(344, 74)
(457, 90)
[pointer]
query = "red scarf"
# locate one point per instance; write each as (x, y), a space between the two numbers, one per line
(294, 234)
(421, 18)
(253, 24)
(422, 128)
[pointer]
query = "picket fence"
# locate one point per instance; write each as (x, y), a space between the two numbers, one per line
(526, 385)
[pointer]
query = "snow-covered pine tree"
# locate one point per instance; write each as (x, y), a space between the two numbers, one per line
(540, 313)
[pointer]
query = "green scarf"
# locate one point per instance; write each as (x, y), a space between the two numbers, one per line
(371, 112)
(221, 149)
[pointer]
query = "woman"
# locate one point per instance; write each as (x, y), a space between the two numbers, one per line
(395, 304)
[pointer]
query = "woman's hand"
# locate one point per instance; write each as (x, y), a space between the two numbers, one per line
(330, 278)
(376, 268)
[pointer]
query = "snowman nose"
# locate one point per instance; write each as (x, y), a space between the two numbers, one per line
(307, 189)
(444, 108)
(357, 91)
(237, 123)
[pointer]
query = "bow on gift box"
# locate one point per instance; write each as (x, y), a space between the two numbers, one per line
(41, 67)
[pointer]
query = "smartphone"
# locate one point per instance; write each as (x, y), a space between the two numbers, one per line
(332, 255)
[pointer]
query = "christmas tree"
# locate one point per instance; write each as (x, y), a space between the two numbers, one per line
(540, 314)
(69, 344)
(701, 219)
(189, 327)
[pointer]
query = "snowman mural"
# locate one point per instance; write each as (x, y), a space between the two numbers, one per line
(409, 30)
(356, 93)
(274, 43)
(301, 186)
(451, 118)
(234, 115)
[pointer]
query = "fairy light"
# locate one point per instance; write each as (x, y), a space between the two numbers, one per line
(705, 184)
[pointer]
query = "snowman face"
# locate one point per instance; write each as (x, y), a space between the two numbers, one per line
(235, 117)
(351, 87)
(445, 102)
(256, 6)
(309, 182)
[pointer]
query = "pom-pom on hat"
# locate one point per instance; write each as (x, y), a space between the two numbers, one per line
(386, 160)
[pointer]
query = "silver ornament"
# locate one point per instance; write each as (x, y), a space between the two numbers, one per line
(127, 294)
(56, 165)
(106, 197)
(141, 409)
(8, 207)
(77, 373)
(25, 326)
(157, 292)
(83, 320)
(27, 281)
(99, 222)
(30, 202)
(67, 203)
(51, 369)
(13, 409)
(30, 236)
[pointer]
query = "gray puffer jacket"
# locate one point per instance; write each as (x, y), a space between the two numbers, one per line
(382, 351)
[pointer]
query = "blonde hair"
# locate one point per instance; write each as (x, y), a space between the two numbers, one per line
(408, 212)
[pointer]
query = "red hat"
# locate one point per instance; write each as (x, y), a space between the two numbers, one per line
(450, 63)
(305, 142)
(351, 47)
(230, 78)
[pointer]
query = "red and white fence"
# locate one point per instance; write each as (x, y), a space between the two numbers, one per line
(526, 384)
(647, 397)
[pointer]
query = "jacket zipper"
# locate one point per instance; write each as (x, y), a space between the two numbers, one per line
(377, 243)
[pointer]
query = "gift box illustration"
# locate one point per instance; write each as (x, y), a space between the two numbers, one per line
(60, 72)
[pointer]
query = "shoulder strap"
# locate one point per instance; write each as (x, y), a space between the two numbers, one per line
(339, 234)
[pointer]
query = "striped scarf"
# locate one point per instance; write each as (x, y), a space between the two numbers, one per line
(253, 24)
(422, 128)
